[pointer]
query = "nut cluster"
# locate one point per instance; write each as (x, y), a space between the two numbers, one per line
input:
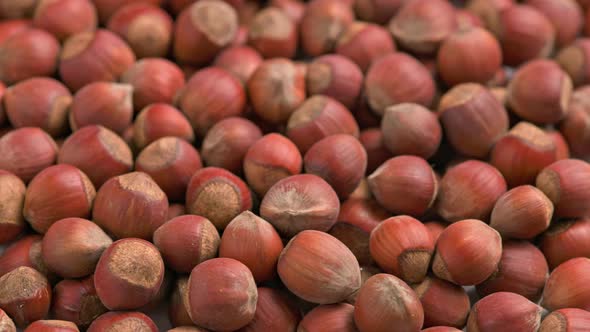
(295, 165)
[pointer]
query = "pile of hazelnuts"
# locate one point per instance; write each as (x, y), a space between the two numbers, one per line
(291, 165)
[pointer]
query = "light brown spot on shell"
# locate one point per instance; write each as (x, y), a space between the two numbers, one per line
(136, 263)
(21, 283)
(116, 147)
(309, 110)
(532, 135)
(77, 44)
(216, 20)
(129, 324)
(159, 154)
(143, 184)
(271, 23)
(218, 201)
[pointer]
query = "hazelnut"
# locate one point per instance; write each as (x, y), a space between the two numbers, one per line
(154, 80)
(329, 318)
(187, 241)
(479, 181)
(522, 213)
(57, 192)
(473, 261)
(404, 185)
(273, 104)
(540, 92)
(566, 240)
(218, 195)
(274, 312)
(567, 286)
(411, 129)
(566, 183)
(25, 295)
(103, 103)
(270, 159)
(565, 16)
(318, 268)
(489, 11)
(64, 18)
(94, 146)
(241, 61)
(160, 120)
(123, 321)
(225, 145)
(25, 252)
(12, 199)
(130, 205)
(420, 26)
(403, 247)
(38, 102)
(273, 33)
(322, 24)
(211, 95)
(202, 30)
(375, 311)
(522, 270)
(128, 274)
(413, 83)
(575, 127)
(363, 42)
(300, 202)
(469, 55)
(146, 28)
(473, 119)
(563, 320)
(501, 311)
(52, 325)
(103, 55)
(72, 246)
(573, 59)
(229, 285)
(444, 303)
(76, 301)
(171, 162)
(254, 242)
(335, 76)
(28, 53)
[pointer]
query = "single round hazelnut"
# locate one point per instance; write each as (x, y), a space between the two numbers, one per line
(12, 199)
(57, 192)
(363, 42)
(225, 145)
(38, 102)
(186, 241)
(339, 159)
(171, 162)
(273, 33)
(522, 213)
(567, 184)
(28, 53)
(64, 18)
(469, 55)
(335, 76)
(300, 202)
(563, 320)
(329, 317)
(318, 268)
(420, 26)
(473, 119)
(218, 195)
(473, 261)
(254, 242)
(128, 274)
(405, 185)
(107, 8)
(276, 89)
(444, 303)
(566, 240)
(145, 27)
(411, 129)
(241, 61)
(522, 270)
(160, 120)
(76, 301)
(211, 95)
(375, 311)
(130, 205)
(25, 295)
(403, 247)
(269, 160)
(94, 146)
(479, 181)
(565, 16)
(322, 23)
(202, 30)
(540, 92)
(503, 310)
(103, 55)
(72, 246)
(413, 83)
(567, 286)
(154, 80)
(123, 321)
(229, 286)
